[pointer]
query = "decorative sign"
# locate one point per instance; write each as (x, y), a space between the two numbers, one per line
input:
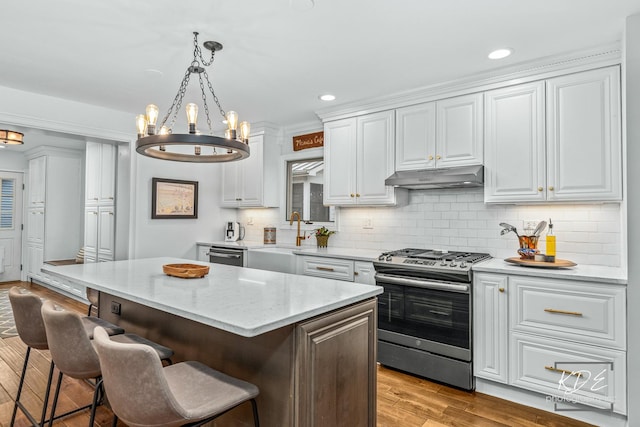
(310, 140)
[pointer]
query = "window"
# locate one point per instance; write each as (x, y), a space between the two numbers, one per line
(304, 190)
(7, 203)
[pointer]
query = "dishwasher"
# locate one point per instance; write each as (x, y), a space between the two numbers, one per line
(228, 256)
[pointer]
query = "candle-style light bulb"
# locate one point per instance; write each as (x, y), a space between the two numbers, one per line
(192, 116)
(232, 123)
(164, 131)
(245, 129)
(141, 125)
(152, 118)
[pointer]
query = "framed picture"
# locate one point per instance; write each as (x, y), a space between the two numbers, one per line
(173, 198)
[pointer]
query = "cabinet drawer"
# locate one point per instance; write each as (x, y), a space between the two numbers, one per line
(328, 267)
(589, 375)
(576, 311)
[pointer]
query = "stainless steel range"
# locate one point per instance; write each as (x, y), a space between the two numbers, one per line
(424, 314)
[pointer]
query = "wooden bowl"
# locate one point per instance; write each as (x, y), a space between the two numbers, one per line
(186, 271)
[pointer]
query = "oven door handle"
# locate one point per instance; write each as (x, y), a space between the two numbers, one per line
(221, 255)
(420, 283)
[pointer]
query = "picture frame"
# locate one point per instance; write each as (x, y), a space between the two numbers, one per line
(174, 199)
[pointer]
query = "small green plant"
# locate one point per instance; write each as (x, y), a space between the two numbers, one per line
(323, 231)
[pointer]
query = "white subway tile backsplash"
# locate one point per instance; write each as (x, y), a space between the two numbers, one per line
(458, 219)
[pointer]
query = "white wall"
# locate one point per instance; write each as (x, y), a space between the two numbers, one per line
(12, 161)
(176, 237)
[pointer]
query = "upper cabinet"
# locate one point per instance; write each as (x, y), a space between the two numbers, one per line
(440, 134)
(251, 183)
(100, 184)
(359, 156)
(37, 181)
(555, 140)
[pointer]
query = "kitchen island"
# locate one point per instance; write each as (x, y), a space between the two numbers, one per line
(308, 343)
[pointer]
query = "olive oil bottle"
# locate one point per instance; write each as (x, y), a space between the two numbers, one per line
(551, 243)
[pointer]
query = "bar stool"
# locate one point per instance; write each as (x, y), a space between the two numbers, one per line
(74, 354)
(187, 393)
(26, 308)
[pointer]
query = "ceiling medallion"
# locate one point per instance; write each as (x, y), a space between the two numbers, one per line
(193, 146)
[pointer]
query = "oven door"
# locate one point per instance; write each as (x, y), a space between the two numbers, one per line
(427, 315)
(218, 255)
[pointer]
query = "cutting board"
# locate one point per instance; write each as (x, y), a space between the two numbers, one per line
(560, 263)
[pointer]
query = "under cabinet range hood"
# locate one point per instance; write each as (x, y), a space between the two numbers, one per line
(427, 179)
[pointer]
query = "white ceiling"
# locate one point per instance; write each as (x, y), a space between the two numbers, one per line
(279, 55)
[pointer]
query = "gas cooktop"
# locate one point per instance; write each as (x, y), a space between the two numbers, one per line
(431, 259)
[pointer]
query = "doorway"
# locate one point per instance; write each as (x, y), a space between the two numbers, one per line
(10, 225)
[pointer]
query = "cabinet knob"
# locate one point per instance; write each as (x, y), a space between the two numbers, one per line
(551, 188)
(501, 289)
(352, 195)
(438, 157)
(540, 188)
(110, 198)
(430, 157)
(238, 199)
(95, 198)
(110, 213)
(357, 194)
(355, 273)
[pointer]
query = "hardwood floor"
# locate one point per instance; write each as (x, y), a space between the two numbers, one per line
(403, 400)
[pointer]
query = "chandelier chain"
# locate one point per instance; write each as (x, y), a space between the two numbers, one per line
(197, 52)
(177, 101)
(213, 94)
(204, 102)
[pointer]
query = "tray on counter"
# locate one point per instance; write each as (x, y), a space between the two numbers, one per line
(560, 263)
(186, 271)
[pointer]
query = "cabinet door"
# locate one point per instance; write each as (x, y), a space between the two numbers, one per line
(364, 272)
(375, 158)
(107, 179)
(251, 177)
(91, 234)
(37, 181)
(416, 137)
(490, 327)
(340, 162)
(230, 187)
(337, 352)
(92, 172)
(515, 151)
(35, 255)
(35, 226)
(459, 131)
(106, 232)
(583, 135)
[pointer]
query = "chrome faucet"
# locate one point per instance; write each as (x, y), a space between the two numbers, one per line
(299, 238)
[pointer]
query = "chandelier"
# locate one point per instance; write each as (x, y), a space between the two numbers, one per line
(10, 137)
(160, 142)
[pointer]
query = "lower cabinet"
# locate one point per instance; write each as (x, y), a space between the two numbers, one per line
(561, 338)
(322, 367)
(99, 233)
(337, 268)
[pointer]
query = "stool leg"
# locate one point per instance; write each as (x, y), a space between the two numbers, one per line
(254, 406)
(114, 423)
(24, 373)
(46, 394)
(55, 400)
(96, 393)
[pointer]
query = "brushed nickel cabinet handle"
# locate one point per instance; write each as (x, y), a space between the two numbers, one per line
(564, 371)
(571, 313)
(501, 289)
(325, 269)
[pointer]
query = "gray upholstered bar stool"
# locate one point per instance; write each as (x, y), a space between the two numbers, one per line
(74, 354)
(187, 393)
(26, 308)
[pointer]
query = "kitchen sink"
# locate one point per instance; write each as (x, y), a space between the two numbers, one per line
(273, 259)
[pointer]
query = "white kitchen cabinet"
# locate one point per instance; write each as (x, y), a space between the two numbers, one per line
(490, 327)
(358, 157)
(37, 181)
(35, 225)
(515, 164)
(252, 182)
(203, 252)
(540, 331)
(100, 176)
(99, 237)
(440, 134)
(555, 140)
(364, 272)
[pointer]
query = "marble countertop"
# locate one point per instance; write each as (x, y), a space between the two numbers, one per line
(243, 301)
(587, 273)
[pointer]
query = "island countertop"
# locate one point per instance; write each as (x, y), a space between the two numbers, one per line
(242, 301)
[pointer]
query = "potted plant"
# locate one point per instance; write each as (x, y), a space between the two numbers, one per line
(322, 236)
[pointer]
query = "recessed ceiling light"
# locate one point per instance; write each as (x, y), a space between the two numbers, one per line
(500, 53)
(327, 97)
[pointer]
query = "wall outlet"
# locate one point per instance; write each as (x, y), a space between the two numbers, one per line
(250, 220)
(367, 224)
(530, 225)
(115, 307)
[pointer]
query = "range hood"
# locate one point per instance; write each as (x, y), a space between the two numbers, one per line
(426, 179)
